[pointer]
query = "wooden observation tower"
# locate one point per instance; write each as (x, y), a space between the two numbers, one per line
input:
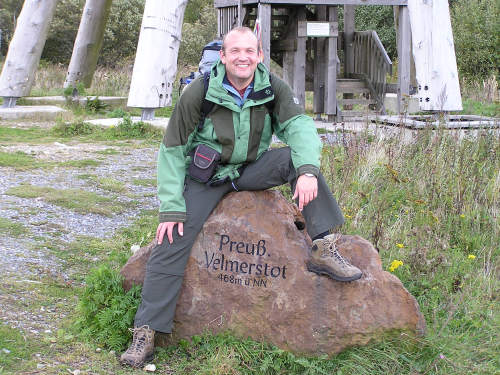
(302, 36)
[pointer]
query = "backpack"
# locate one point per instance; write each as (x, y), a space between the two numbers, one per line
(209, 55)
(207, 105)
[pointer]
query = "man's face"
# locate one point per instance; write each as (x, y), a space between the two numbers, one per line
(240, 56)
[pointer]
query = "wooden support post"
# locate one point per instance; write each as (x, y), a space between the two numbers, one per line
(348, 39)
(264, 14)
(88, 43)
(155, 68)
(26, 48)
(299, 68)
(331, 72)
(289, 56)
(319, 67)
(404, 52)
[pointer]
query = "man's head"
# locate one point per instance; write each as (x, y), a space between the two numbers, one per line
(240, 54)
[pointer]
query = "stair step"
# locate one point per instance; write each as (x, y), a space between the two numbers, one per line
(356, 101)
(353, 90)
(357, 113)
(350, 83)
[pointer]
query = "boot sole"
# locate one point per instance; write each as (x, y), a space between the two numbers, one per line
(311, 267)
(149, 358)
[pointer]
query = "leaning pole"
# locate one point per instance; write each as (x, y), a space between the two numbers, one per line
(88, 43)
(25, 50)
(156, 57)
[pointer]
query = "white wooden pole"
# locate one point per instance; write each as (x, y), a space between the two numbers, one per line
(434, 53)
(156, 57)
(404, 58)
(88, 43)
(26, 48)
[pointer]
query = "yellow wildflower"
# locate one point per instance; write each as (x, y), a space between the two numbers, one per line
(462, 216)
(395, 264)
(348, 216)
(400, 245)
(471, 256)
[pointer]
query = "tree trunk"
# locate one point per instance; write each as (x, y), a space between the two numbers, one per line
(26, 48)
(88, 43)
(156, 58)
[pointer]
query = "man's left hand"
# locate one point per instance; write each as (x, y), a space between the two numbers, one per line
(306, 190)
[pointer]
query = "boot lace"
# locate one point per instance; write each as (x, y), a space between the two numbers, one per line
(139, 339)
(330, 250)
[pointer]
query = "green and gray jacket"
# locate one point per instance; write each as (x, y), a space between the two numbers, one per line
(241, 135)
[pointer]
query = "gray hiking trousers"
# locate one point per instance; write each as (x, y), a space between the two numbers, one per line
(166, 265)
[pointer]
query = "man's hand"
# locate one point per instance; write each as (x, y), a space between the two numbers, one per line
(168, 227)
(306, 190)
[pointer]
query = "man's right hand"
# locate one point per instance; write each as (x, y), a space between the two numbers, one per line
(168, 227)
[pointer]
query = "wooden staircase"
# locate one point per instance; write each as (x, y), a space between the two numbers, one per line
(355, 99)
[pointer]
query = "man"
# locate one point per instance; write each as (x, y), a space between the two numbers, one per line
(238, 130)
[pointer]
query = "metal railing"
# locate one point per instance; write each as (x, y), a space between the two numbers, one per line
(372, 63)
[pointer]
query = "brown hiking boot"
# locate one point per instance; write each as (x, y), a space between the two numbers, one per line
(326, 260)
(142, 348)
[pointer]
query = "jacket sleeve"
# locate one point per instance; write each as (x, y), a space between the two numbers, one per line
(296, 129)
(173, 153)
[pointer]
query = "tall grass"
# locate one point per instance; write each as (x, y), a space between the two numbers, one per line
(433, 206)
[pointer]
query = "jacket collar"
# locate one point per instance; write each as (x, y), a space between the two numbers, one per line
(262, 91)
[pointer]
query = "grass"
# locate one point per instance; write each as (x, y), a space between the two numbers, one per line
(12, 228)
(22, 161)
(144, 181)
(78, 200)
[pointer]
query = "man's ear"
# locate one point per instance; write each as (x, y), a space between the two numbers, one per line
(222, 56)
(261, 55)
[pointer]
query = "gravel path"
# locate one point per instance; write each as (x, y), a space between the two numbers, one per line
(25, 259)
(49, 221)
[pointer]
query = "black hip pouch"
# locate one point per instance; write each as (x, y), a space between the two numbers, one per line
(203, 164)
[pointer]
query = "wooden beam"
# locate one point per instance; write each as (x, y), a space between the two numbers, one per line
(319, 67)
(289, 56)
(284, 45)
(348, 39)
(331, 72)
(264, 14)
(227, 3)
(88, 43)
(404, 52)
(299, 69)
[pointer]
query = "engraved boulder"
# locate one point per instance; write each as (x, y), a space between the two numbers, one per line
(247, 273)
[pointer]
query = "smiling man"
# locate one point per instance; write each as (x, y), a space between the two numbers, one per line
(217, 141)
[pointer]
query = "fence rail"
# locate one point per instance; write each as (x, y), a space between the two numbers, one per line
(372, 63)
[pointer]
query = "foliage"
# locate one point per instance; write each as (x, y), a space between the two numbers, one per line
(9, 12)
(95, 105)
(381, 19)
(476, 33)
(195, 35)
(63, 29)
(122, 29)
(129, 129)
(105, 310)
(71, 129)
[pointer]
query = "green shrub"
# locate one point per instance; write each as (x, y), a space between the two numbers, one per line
(196, 35)
(95, 105)
(381, 19)
(72, 129)
(105, 310)
(129, 129)
(476, 32)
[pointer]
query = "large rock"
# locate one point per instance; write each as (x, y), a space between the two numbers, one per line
(247, 273)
